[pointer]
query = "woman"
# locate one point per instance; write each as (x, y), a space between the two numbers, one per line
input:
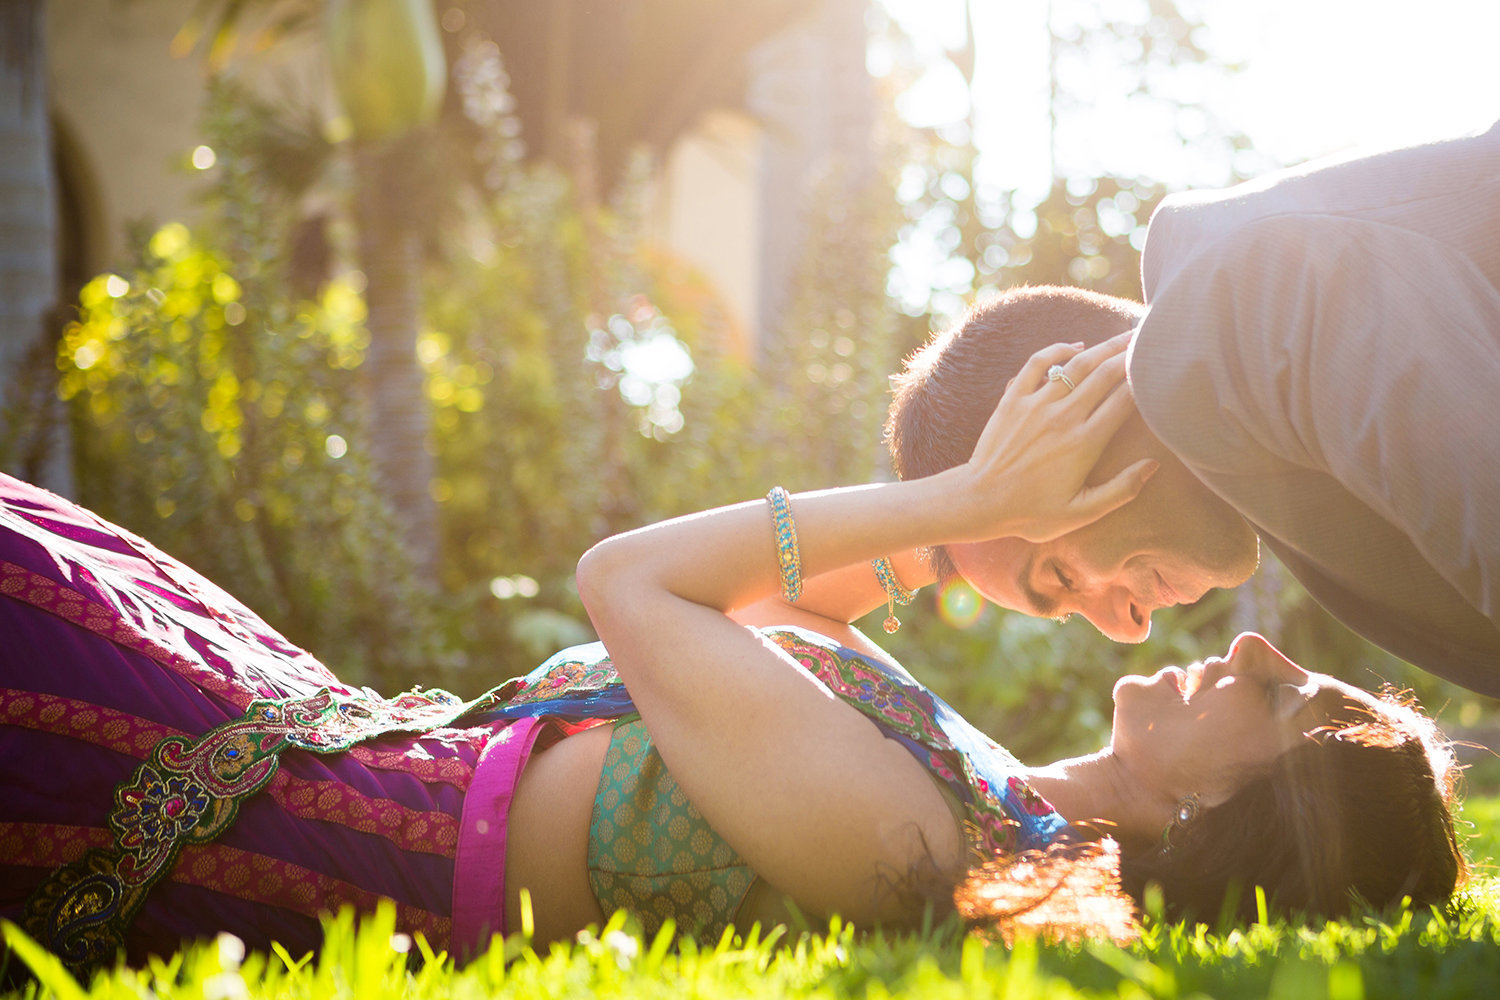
(170, 767)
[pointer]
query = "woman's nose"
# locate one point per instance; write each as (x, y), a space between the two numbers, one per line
(1252, 652)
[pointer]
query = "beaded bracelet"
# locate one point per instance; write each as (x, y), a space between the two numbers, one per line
(894, 593)
(787, 554)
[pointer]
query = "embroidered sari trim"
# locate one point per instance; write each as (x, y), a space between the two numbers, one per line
(425, 831)
(254, 877)
(187, 793)
(1003, 813)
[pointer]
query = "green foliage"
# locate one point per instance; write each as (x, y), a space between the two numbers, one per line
(216, 415)
(217, 424)
(217, 390)
(550, 439)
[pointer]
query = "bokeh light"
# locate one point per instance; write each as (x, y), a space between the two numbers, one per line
(503, 588)
(959, 605)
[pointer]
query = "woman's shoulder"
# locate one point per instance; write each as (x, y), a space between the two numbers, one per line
(1007, 813)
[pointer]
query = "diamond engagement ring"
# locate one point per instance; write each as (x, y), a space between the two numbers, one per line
(1056, 374)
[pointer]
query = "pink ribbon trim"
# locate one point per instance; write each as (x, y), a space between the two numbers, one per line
(479, 865)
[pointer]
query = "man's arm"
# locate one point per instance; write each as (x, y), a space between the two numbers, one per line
(1334, 379)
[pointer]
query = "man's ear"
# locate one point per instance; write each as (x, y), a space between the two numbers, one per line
(1131, 443)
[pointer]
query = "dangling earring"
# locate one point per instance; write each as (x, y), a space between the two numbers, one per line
(1187, 811)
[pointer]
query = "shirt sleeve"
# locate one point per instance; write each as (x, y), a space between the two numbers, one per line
(1335, 380)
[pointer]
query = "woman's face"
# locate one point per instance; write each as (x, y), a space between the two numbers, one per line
(1199, 731)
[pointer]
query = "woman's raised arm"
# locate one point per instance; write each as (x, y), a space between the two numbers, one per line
(806, 790)
(842, 596)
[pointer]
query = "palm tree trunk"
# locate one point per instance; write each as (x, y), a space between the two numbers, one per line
(32, 432)
(389, 250)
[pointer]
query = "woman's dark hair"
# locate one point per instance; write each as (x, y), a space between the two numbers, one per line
(1361, 814)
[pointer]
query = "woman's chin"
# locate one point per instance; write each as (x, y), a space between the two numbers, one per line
(1126, 690)
(1130, 685)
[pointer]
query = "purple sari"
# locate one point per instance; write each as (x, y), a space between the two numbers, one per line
(108, 646)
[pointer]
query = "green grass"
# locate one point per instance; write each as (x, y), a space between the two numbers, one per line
(1407, 954)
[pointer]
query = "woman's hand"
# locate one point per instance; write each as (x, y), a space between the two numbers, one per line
(1028, 476)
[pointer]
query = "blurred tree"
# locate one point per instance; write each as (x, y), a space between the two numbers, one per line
(1087, 229)
(581, 380)
(587, 87)
(389, 195)
(389, 73)
(585, 381)
(217, 415)
(643, 71)
(388, 70)
(32, 442)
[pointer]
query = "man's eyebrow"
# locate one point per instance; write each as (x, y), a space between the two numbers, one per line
(1042, 606)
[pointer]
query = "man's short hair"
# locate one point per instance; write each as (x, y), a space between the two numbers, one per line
(946, 391)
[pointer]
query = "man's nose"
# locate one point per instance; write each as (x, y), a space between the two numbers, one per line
(1117, 614)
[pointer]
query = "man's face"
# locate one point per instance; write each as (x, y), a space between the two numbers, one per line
(1170, 545)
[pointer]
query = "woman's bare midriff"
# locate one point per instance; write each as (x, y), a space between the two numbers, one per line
(547, 838)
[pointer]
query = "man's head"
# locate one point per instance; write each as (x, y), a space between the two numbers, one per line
(1170, 545)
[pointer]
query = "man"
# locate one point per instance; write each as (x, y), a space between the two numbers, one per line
(1318, 362)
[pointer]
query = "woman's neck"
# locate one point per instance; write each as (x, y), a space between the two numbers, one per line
(1099, 792)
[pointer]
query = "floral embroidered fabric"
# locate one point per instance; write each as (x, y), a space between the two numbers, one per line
(1005, 814)
(188, 792)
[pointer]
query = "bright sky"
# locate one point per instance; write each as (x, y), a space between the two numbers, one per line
(1320, 76)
